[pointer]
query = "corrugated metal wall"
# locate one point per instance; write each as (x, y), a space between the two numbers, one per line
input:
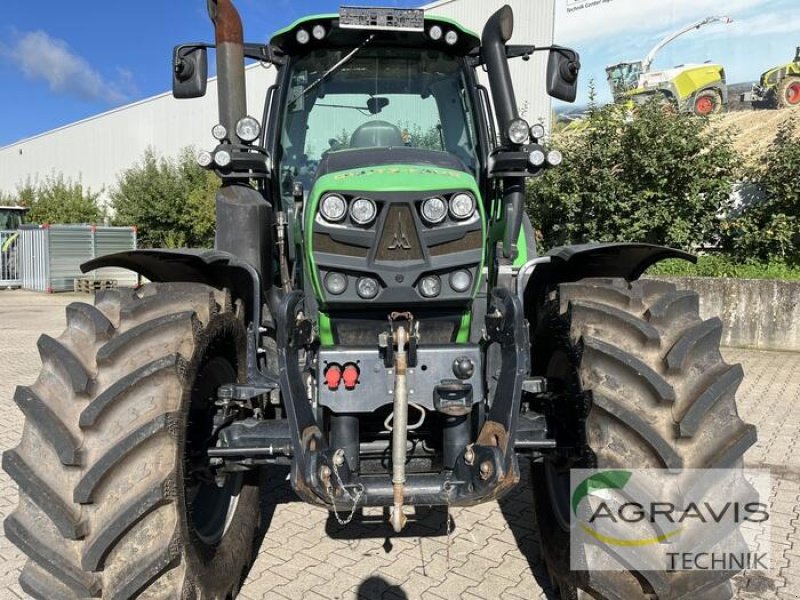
(96, 150)
(50, 256)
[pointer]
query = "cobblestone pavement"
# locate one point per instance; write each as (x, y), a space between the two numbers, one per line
(494, 549)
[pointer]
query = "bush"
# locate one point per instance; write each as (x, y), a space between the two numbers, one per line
(171, 201)
(60, 200)
(651, 175)
(724, 266)
(767, 226)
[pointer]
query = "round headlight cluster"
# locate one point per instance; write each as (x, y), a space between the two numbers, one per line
(205, 159)
(462, 205)
(222, 158)
(318, 32)
(430, 286)
(518, 131)
(335, 283)
(537, 157)
(460, 281)
(302, 36)
(554, 158)
(333, 208)
(218, 132)
(363, 211)
(248, 129)
(537, 131)
(434, 210)
(367, 288)
(436, 33)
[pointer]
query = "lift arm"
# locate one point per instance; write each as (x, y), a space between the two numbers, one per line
(648, 61)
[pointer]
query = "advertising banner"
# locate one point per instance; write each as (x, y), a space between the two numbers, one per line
(704, 56)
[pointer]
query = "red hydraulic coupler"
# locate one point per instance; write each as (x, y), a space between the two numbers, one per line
(350, 376)
(333, 377)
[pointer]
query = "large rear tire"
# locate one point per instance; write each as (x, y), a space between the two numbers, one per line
(116, 498)
(639, 383)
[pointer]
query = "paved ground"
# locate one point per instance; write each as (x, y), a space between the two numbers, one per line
(494, 548)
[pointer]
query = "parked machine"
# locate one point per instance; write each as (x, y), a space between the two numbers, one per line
(778, 88)
(11, 217)
(698, 88)
(375, 314)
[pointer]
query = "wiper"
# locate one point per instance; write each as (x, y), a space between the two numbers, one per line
(333, 69)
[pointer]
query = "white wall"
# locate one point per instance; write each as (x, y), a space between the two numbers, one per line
(534, 21)
(97, 149)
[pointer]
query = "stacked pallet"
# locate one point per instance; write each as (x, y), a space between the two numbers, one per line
(89, 286)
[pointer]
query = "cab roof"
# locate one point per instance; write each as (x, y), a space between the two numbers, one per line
(335, 36)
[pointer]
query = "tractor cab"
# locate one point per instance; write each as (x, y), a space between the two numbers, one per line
(11, 217)
(623, 77)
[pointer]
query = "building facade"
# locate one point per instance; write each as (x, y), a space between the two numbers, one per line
(96, 150)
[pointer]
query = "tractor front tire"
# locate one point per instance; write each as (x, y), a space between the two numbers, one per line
(639, 383)
(116, 496)
(788, 92)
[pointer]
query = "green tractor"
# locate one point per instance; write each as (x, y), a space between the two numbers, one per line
(375, 316)
(697, 88)
(779, 87)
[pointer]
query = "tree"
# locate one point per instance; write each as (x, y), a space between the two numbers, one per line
(60, 200)
(648, 175)
(171, 201)
(767, 226)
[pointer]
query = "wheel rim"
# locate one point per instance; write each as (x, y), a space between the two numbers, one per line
(704, 105)
(210, 507)
(793, 94)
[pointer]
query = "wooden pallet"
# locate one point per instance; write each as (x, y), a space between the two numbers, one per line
(89, 286)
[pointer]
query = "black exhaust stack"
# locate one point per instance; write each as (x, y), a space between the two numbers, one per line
(244, 218)
(231, 89)
(496, 33)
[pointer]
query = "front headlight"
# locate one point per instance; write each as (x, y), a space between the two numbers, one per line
(434, 210)
(248, 129)
(333, 208)
(430, 286)
(363, 211)
(518, 131)
(367, 288)
(462, 205)
(222, 158)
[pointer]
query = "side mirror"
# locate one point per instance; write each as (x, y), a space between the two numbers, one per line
(563, 67)
(189, 71)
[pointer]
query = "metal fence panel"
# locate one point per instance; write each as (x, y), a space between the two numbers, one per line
(9, 259)
(50, 256)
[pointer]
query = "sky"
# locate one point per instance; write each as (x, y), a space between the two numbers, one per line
(65, 61)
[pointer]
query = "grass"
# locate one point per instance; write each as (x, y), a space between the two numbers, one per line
(720, 266)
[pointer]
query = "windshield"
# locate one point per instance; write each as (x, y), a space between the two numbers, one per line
(372, 97)
(624, 77)
(10, 219)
